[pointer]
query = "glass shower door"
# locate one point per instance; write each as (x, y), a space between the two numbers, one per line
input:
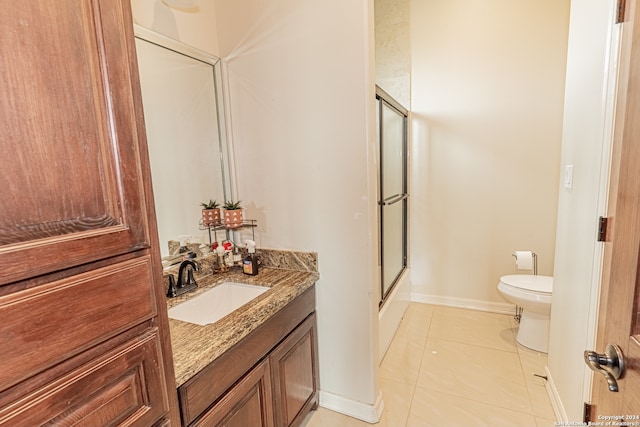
(393, 196)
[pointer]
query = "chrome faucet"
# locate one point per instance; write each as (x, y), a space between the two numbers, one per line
(183, 287)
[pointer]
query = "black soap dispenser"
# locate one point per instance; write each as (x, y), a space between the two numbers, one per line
(250, 263)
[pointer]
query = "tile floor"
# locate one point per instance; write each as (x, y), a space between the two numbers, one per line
(450, 367)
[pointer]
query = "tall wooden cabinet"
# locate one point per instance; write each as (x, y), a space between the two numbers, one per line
(83, 329)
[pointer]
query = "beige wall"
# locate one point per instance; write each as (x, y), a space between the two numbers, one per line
(195, 28)
(487, 101)
(302, 96)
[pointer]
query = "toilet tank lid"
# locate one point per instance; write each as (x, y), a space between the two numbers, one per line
(529, 282)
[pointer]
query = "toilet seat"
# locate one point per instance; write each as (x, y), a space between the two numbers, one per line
(529, 283)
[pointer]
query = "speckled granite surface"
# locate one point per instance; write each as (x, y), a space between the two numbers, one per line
(304, 261)
(195, 346)
(292, 260)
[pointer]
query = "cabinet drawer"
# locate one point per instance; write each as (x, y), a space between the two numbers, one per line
(50, 323)
(124, 386)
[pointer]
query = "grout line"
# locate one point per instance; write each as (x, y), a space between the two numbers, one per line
(424, 348)
(527, 383)
(474, 345)
(514, 349)
(423, 360)
(455, 396)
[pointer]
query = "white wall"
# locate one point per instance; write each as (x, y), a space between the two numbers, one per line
(487, 99)
(195, 28)
(585, 145)
(302, 98)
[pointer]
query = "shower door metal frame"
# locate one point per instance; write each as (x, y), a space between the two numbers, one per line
(384, 99)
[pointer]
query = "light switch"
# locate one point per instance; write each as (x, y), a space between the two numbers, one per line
(568, 177)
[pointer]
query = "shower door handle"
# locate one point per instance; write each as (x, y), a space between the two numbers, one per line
(610, 364)
(394, 199)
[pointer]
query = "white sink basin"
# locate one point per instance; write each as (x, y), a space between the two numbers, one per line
(217, 302)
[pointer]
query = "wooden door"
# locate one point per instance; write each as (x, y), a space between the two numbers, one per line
(71, 181)
(83, 328)
(619, 320)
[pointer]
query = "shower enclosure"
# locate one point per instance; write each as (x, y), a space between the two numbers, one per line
(393, 196)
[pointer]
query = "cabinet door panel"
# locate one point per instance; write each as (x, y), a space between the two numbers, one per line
(293, 365)
(249, 403)
(122, 387)
(71, 177)
(50, 323)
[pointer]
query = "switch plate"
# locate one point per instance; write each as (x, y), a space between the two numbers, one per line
(568, 177)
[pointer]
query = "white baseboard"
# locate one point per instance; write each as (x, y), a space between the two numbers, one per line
(472, 304)
(556, 402)
(362, 411)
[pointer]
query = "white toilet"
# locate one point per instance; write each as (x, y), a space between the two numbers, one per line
(533, 294)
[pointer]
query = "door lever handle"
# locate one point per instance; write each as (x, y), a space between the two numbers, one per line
(610, 364)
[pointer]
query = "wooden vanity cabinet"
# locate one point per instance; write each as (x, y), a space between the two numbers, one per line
(84, 337)
(267, 379)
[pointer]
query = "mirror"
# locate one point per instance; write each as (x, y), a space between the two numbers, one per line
(183, 111)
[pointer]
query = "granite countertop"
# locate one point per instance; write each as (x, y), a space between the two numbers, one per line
(195, 346)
